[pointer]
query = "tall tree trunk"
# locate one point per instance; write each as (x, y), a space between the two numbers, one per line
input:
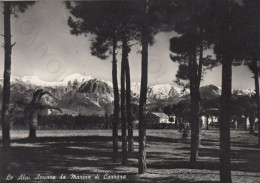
(195, 79)
(225, 116)
(176, 122)
(6, 88)
(257, 96)
(106, 122)
(33, 124)
(116, 101)
(144, 80)
(200, 63)
(128, 103)
(123, 112)
(207, 122)
(225, 162)
(194, 97)
(251, 122)
(198, 85)
(245, 124)
(32, 133)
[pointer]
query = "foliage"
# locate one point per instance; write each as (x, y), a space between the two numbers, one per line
(191, 22)
(243, 105)
(103, 19)
(37, 103)
(72, 122)
(177, 109)
(167, 110)
(210, 106)
(20, 6)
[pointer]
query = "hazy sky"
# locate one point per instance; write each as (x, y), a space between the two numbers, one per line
(45, 48)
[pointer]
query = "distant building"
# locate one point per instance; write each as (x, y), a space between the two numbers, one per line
(154, 119)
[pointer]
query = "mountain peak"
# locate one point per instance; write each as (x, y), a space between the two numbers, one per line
(34, 80)
(76, 76)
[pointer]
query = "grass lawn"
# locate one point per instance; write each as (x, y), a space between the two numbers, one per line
(85, 153)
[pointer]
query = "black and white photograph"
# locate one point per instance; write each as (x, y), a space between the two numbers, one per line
(129, 91)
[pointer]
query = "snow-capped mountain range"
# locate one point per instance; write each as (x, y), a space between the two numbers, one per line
(34, 80)
(84, 94)
(161, 91)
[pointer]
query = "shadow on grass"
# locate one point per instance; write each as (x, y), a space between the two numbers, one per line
(92, 155)
(75, 151)
(165, 180)
(56, 155)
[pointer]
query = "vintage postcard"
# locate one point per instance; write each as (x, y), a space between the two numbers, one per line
(129, 91)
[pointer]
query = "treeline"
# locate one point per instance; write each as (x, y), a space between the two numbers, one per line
(243, 111)
(65, 122)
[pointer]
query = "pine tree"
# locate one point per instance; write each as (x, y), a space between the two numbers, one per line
(103, 19)
(249, 46)
(144, 80)
(226, 35)
(191, 21)
(9, 9)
